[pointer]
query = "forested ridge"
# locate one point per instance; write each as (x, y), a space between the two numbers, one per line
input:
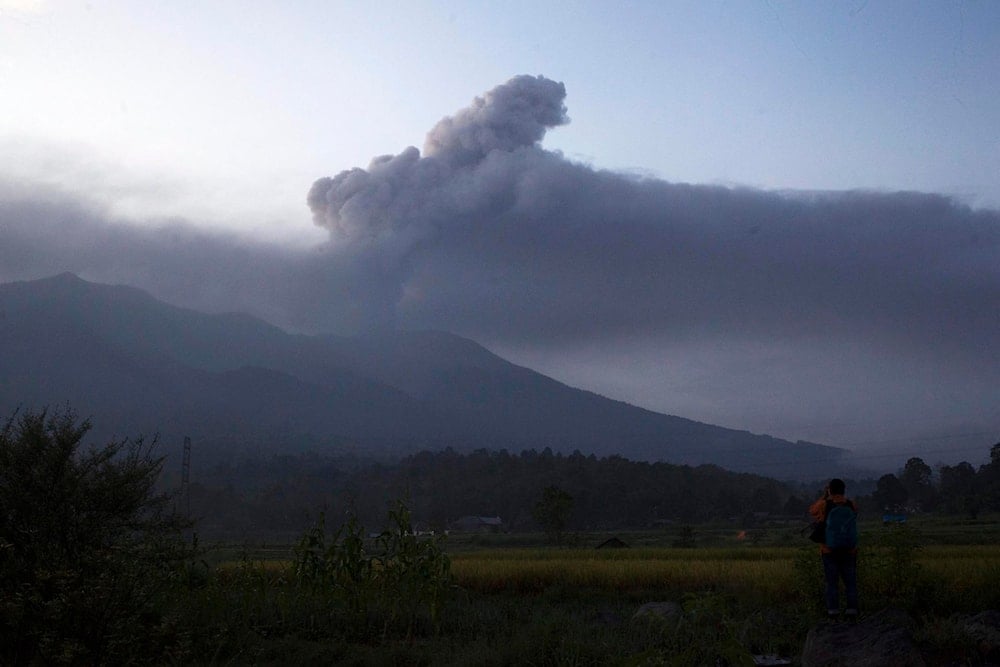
(439, 487)
(267, 495)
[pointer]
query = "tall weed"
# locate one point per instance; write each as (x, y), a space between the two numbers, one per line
(399, 578)
(411, 573)
(889, 573)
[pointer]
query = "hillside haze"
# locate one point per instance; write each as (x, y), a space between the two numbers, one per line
(232, 382)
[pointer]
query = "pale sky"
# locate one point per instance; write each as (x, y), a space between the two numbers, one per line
(227, 111)
(223, 114)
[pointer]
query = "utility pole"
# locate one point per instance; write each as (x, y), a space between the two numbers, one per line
(186, 474)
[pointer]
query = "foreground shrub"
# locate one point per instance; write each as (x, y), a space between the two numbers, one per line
(87, 546)
(892, 571)
(412, 573)
(400, 578)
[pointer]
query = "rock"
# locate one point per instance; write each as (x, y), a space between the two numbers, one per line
(880, 640)
(666, 611)
(984, 628)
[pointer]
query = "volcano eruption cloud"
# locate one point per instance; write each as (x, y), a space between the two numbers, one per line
(489, 233)
(868, 302)
(833, 316)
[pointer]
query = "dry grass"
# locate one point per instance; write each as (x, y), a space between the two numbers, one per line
(765, 571)
(525, 571)
(761, 571)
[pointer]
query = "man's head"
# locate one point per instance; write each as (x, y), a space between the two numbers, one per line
(837, 487)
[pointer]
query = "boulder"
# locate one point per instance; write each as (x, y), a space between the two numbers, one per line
(984, 628)
(880, 640)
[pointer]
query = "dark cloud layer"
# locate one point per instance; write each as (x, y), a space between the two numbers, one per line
(487, 234)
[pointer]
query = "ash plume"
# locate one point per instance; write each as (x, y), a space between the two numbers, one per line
(861, 311)
(489, 232)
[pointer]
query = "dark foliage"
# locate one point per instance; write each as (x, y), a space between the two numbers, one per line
(552, 512)
(959, 489)
(274, 497)
(87, 545)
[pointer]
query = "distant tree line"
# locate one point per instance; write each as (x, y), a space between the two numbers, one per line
(284, 492)
(960, 489)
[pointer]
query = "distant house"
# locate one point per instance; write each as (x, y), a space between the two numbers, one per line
(612, 543)
(893, 514)
(478, 524)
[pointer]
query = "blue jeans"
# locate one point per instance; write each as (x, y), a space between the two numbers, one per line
(837, 566)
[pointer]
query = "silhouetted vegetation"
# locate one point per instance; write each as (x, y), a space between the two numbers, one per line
(959, 489)
(95, 570)
(552, 512)
(283, 493)
(87, 546)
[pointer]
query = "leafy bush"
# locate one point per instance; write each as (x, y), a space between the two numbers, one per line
(552, 512)
(412, 572)
(337, 564)
(400, 577)
(87, 546)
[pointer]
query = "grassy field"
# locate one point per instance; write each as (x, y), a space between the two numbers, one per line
(747, 570)
(511, 600)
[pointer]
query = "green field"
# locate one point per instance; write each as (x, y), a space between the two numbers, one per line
(510, 600)
(98, 568)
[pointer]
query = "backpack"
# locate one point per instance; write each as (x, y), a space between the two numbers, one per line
(841, 526)
(817, 531)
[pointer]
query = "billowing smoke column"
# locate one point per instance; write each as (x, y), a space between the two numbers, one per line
(871, 301)
(491, 235)
(407, 190)
(380, 215)
(511, 116)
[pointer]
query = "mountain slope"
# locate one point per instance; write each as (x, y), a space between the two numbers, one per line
(117, 354)
(138, 365)
(516, 404)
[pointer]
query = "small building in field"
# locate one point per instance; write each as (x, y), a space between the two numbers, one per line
(893, 514)
(612, 543)
(478, 524)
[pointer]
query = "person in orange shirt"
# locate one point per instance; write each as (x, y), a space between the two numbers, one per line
(839, 549)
